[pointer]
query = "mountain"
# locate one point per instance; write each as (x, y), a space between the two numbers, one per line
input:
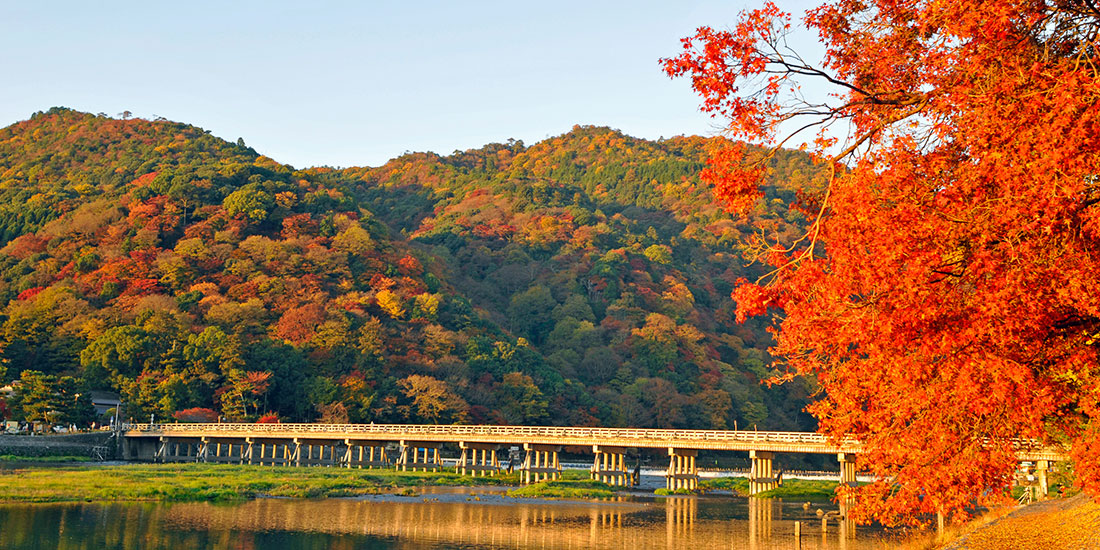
(582, 280)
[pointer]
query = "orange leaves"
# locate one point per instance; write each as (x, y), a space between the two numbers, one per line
(735, 185)
(1086, 457)
(409, 265)
(958, 293)
(717, 60)
(298, 324)
(752, 300)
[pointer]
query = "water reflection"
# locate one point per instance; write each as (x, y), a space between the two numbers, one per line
(451, 522)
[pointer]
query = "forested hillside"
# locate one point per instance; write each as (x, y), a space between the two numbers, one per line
(582, 280)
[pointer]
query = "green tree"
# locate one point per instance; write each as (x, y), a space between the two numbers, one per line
(120, 352)
(530, 312)
(354, 240)
(212, 353)
(250, 201)
(37, 398)
(76, 402)
(520, 401)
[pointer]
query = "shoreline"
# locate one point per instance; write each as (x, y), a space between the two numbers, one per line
(48, 481)
(1071, 523)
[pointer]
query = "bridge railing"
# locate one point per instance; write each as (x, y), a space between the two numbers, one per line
(704, 439)
(518, 433)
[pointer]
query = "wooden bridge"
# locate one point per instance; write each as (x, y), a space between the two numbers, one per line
(417, 447)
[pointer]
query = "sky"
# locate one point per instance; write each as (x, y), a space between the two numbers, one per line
(326, 83)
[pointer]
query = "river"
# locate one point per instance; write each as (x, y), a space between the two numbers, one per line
(445, 518)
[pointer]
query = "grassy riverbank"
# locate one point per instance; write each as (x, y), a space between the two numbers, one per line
(194, 482)
(791, 488)
(574, 484)
(565, 489)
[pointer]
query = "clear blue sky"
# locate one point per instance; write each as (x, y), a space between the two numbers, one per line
(315, 83)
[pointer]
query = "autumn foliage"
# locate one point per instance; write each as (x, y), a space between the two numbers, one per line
(196, 414)
(581, 280)
(946, 295)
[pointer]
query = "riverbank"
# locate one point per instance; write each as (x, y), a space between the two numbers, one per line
(75, 482)
(213, 482)
(1057, 524)
(577, 488)
(792, 488)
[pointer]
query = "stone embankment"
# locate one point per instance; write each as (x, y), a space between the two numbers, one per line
(98, 445)
(1058, 524)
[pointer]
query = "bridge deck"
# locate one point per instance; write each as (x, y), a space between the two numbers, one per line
(717, 440)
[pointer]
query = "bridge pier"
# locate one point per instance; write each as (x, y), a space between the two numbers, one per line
(847, 469)
(761, 477)
(682, 472)
(271, 452)
(609, 465)
(1041, 467)
(221, 449)
(360, 453)
(178, 449)
(540, 463)
(470, 462)
(319, 452)
(140, 448)
(425, 456)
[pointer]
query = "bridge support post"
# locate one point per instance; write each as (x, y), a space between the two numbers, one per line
(425, 456)
(221, 449)
(682, 472)
(761, 477)
(271, 451)
(847, 469)
(478, 459)
(360, 453)
(293, 456)
(320, 452)
(178, 449)
(540, 463)
(1041, 467)
(162, 448)
(609, 465)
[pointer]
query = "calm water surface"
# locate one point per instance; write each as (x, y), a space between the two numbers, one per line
(437, 518)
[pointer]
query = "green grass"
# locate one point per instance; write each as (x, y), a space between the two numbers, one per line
(792, 488)
(217, 482)
(738, 485)
(803, 488)
(565, 488)
(669, 492)
(574, 484)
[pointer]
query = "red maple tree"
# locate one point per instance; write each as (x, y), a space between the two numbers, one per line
(945, 293)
